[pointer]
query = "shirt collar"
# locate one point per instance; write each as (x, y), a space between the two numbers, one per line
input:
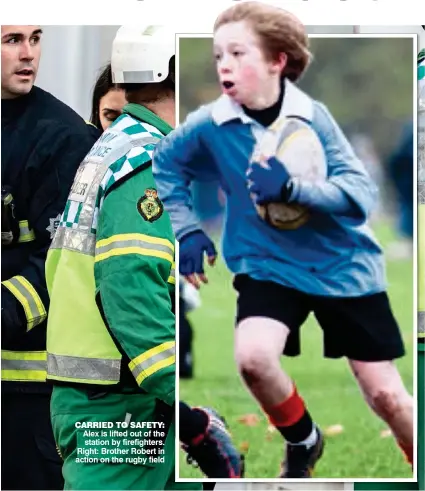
(295, 103)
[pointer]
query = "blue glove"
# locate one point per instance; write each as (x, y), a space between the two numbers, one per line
(192, 249)
(269, 184)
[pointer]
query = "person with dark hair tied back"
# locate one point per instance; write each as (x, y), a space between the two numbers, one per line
(111, 347)
(107, 100)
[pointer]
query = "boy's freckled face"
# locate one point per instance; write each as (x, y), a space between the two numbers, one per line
(242, 69)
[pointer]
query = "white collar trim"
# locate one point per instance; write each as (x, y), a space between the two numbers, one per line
(295, 103)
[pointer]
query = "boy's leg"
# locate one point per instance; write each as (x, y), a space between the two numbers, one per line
(269, 315)
(386, 394)
(364, 330)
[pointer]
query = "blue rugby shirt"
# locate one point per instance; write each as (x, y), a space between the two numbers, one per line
(334, 254)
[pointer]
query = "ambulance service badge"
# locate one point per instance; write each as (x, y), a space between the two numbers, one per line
(149, 205)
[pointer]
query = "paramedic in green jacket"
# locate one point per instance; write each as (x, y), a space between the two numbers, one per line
(110, 275)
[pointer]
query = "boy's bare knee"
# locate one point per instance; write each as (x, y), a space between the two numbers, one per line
(259, 343)
(254, 365)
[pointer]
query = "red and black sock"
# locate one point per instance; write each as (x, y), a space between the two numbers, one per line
(291, 418)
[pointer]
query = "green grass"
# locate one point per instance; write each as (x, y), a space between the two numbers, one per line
(326, 385)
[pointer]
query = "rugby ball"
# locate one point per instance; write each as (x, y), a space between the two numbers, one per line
(294, 143)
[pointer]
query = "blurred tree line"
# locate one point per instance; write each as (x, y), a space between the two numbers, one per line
(367, 83)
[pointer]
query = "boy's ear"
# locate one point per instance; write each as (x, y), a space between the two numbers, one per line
(280, 62)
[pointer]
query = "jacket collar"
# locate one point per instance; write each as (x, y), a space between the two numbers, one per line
(144, 114)
(295, 103)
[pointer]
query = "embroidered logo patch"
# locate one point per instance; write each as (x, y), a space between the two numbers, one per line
(149, 205)
(54, 224)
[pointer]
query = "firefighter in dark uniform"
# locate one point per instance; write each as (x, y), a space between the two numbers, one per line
(43, 142)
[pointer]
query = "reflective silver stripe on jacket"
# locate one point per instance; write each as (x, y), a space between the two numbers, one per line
(23, 366)
(25, 233)
(86, 216)
(145, 365)
(421, 192)
(40, 365)
(75, 367)
(26, 294)
(117, 244)
(74, 239)
(144, 140)
(80, 238)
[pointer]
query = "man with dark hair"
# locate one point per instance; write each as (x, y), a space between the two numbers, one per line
(43, 143)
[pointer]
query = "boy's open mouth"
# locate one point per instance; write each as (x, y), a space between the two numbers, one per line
(227, 85)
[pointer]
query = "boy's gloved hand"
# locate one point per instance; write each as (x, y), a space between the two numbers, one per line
(269, 181)
(192, 249)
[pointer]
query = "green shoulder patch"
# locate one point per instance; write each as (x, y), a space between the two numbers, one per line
(150, 206)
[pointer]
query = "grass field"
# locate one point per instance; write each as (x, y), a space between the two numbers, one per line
(327, 386)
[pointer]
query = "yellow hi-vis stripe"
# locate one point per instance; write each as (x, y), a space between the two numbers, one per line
(145, 245)
(153, 360)
(23, 366)
(172, 277)
(8, 199)
(26, 234)
(28, 297)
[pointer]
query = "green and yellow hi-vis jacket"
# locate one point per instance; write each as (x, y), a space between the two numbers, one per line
(110, 268)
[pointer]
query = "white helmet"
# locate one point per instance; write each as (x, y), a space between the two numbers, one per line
(142, 54)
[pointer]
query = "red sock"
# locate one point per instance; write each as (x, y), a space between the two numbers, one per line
(288, 412)
(408, 452)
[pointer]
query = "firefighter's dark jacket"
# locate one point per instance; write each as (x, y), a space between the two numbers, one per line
(43, 141)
